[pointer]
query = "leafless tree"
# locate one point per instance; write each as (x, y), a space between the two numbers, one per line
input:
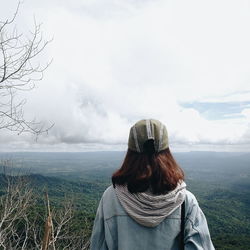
(58, 229)
(19, 71)
(14, 204)
(23, 227)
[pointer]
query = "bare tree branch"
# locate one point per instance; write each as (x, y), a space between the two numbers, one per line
(19, 71)
(20, 229)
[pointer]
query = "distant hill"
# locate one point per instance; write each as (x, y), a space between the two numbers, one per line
(85, 194)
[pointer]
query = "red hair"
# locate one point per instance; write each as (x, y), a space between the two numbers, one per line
(158, 172)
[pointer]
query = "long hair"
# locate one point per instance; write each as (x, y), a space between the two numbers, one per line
(158, 172)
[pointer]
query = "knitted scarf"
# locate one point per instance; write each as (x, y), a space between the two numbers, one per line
(148, 209)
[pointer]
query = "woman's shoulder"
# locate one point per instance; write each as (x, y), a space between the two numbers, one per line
(110, 203)
(190, 198)
(109, 192)
(190, 201)
(109, 197)
(192, 206)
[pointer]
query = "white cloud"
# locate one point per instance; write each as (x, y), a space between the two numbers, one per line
(246, 113)
(117, 62)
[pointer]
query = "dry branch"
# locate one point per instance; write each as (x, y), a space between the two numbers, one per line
(22, 225)
(19, 71)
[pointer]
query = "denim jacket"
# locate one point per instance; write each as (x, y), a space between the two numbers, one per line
(114, 229)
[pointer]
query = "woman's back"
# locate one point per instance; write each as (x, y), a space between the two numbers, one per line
(115, 229)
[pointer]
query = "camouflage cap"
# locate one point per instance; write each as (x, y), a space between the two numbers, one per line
(148, 129)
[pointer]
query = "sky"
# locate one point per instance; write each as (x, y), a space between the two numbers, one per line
(185, 63)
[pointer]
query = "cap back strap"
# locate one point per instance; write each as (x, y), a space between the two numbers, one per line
(136, 139)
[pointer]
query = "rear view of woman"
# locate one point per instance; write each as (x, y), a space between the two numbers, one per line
(148, 206)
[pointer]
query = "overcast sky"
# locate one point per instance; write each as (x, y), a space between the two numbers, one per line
(186, 63)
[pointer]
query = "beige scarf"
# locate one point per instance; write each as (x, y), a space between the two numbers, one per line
(148, 209)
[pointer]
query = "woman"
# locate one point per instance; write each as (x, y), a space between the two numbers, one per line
(148, 206)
